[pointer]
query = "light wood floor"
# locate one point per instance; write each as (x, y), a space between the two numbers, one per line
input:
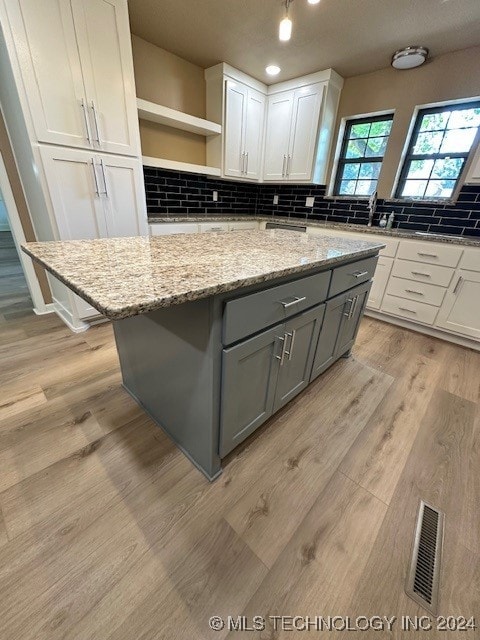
(107, 532)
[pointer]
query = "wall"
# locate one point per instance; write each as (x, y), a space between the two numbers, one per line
(447, 77)
(166, 79)
(174, 193)
(4, 225)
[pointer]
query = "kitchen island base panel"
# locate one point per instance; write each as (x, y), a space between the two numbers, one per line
(170, 361)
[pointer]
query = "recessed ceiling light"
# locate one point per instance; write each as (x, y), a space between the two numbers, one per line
(272, 70)
(409, 57)
(313, 1)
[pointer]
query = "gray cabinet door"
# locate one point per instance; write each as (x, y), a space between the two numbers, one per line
(301, 336)
(249, 378)
(356, 301)
(325, 354)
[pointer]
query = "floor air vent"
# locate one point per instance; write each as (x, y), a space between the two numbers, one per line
(424, 574)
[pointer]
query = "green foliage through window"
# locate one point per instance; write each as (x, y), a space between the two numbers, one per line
(441, 141)
(361, 156)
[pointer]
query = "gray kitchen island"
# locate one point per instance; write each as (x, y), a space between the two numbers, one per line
(216, 332)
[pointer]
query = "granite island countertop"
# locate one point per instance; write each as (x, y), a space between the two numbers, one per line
(123, 277)
(466, 241)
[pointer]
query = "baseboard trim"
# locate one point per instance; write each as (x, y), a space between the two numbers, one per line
(48, 308)
(77, 326)
(420, 328)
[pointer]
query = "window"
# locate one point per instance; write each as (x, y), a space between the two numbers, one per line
(361, 155)
(441, 141)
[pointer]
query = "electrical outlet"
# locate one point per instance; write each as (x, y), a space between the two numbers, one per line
(309, 202)
(275, 199)
(215, 196)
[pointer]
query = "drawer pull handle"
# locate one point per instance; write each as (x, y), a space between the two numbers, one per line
(359, 274)
(457, 286)
(281, 357)
(421, 273)
(407, 310)
(418, 293)
(427, 255)
(297, 300)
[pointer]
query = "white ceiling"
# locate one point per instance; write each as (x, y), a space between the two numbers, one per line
(351, 36)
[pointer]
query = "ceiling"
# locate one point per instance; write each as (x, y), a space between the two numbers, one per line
(351, 36)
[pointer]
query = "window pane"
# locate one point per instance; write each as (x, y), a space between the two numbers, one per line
(376, 147)
(458, 140)
(464, 118)
(414, 188)
(365, 187)
(360, 130)
(350, 171)
(420, 169)
(447, 168)
(347, 187)
(381, 128)
(428, 142)
(370, 170)
(434, 121)
(440, 188)
(356, 148)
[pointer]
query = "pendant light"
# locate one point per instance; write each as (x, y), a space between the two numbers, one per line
(285, 29)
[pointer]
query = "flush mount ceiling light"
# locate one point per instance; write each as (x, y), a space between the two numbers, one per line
(272, 70)
(313, 1)
(409, 57)
(285, 29)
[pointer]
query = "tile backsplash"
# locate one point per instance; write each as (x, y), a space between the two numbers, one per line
(174, 193)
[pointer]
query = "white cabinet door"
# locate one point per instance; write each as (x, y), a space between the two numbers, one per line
(104, 43)
(46, 45)
(279, 118)
(473, 174)
(123, 196)
(212, 227)
(380, 280)
(460, 311)
(303, 137)
(167, 229)
(254, 134)
(235, 117)
(73, 183)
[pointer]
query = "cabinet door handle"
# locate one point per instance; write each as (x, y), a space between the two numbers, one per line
(297, 300)
(95, 120)
(105, 193)
(427, 255)
(289, 161)
(87, 124)
(97, 190)
(407, 310)
(283, 166)
(457, 286)
(359, 274)
(348, 314)
(418, 293)
(291, 335)
(353, 308)
(281, 357)
(421, 273)
(246, 163)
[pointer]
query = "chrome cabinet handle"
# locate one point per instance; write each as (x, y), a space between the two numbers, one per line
(97, 190)
(281, 357)
(87, 124)
(246, 163)
(348, 314)
(290, 335)
(95, 120)
(359, 274)
(407, 310)
(457, 286)
(289, 161)
(427, 255)
(297, 300)
(283, 166)
(353, 307)
(421, 273)
(242, 162)
(105, 193)
(418, 293)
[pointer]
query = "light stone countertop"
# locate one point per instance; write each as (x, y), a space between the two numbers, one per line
(123, 277)
(466, 241)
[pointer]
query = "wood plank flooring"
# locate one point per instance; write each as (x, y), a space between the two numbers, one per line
(107, 532)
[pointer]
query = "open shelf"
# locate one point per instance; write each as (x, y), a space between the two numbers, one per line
(162, 163)
(176, 119)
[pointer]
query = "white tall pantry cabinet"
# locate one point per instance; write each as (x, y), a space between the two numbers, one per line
(68, 97)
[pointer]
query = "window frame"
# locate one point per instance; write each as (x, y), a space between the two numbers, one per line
(408, 156)
(342, 160)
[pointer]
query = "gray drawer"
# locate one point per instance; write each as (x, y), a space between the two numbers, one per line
(249, 314)
(349, 275)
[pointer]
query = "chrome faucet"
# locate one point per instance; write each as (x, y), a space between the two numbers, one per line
(372, 205)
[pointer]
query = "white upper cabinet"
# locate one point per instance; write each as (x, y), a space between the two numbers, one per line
(76, 66)
(307, 103)
(460, 311)
(279, 118)
(244, 121)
